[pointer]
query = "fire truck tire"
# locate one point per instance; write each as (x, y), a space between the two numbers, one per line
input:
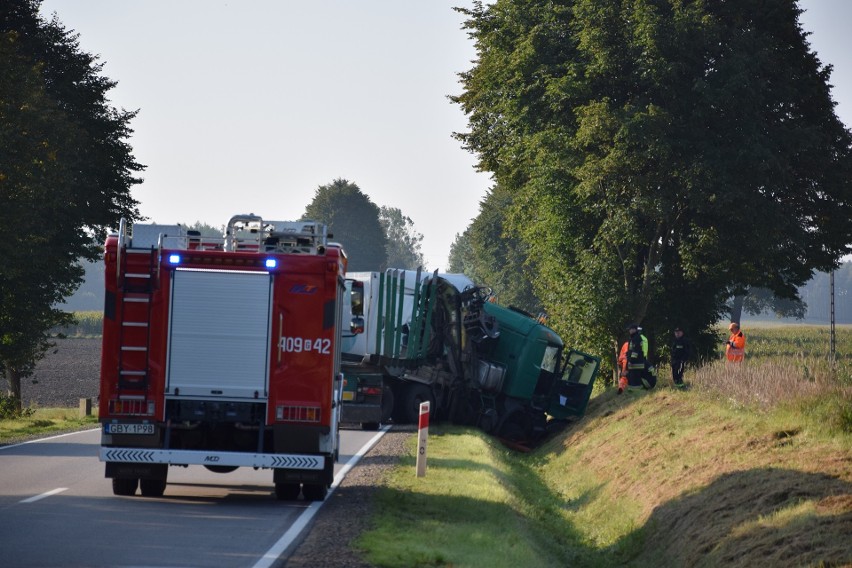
(222, 468)
(124, 487)
(287, 491)
(314, 491)
(413, 395)
(152, 487)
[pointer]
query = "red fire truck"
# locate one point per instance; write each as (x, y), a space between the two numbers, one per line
(222, 352)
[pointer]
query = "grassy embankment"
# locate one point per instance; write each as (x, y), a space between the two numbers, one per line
(43, 422)
(748, 467)
(751, 466)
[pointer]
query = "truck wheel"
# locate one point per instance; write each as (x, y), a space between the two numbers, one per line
(314, 492)
(413, 396)
(516, 428)
(152, 487)
(488, 420)
(125, 487)
(287, 491)
(222, 468)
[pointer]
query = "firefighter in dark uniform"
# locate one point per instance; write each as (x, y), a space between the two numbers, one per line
(681, 350)
(640, 372)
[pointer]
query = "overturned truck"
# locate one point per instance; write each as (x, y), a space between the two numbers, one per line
(440, 338)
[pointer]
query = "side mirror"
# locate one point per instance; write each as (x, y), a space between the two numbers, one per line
(356, 326)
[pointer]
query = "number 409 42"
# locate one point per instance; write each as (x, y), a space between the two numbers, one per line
(304, 344)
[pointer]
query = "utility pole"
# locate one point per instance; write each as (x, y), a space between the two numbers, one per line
(833, 340)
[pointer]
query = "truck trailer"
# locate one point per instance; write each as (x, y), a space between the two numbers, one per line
(441, 338)
(222, 352)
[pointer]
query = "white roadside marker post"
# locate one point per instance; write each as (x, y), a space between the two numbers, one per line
(422, 436)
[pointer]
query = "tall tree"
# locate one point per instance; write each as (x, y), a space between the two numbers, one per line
(499, 255)
(65, 176)
(403, 241)
(460, 260)
(663, 155)
(353, 219)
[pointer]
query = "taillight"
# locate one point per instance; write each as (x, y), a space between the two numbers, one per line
(297, 413)
(370, 391)
(133, 407)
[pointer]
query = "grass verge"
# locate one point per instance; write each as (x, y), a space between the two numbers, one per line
(43, 422)
(659, 478)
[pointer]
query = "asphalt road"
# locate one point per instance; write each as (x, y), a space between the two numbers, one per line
(57, 509)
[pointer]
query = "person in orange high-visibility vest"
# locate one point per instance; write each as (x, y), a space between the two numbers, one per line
(622, 367)
(735, 346)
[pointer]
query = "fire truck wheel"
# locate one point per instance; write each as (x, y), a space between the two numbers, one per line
(152, 487)
(124, 486)
(287, 491)
(222, 468)
(314, 492)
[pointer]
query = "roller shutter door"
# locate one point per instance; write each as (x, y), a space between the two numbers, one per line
(219, 333)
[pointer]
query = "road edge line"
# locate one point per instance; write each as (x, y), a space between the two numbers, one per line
(273, 554)
(48, 438)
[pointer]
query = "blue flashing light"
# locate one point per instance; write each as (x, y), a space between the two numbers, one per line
(271, 263)
(174, 259)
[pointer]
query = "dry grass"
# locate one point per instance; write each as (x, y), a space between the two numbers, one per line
(678, 479)
(770, 382)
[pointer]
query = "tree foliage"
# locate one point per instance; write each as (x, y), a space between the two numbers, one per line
(206, 230)
(461, 259)
(492, 256)
(662, 155)
(65, 176)
(353, 219)
(403, 241)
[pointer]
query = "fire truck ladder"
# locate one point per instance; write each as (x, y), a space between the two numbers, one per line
(136, 289)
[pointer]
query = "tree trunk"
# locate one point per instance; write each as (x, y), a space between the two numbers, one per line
(13, 378)
(737, 309)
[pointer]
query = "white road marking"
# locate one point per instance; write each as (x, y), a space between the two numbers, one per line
(48, 438)
(43, 495)
(272, 555)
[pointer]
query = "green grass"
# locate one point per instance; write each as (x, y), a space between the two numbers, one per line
(465, 512)
(748, 467)
(43, 422)
(609, 490)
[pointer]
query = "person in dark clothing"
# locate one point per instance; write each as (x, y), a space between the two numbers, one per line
(681, 350)
(640, 373)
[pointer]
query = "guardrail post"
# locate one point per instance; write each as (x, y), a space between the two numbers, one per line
(422, 437)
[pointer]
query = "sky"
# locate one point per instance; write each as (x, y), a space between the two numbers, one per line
(248, 106)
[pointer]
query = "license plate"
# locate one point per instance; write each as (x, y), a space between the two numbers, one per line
(348, 395)
(129, 428)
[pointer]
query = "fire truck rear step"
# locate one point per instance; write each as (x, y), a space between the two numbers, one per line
(217, 458)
